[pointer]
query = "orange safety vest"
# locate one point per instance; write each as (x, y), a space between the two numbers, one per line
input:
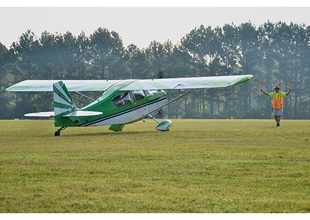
(277, 100)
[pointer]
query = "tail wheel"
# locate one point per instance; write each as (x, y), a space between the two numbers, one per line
(57, 133)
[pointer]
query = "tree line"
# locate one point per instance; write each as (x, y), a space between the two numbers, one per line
(272, 52)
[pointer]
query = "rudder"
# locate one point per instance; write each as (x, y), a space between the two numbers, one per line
(63, 103)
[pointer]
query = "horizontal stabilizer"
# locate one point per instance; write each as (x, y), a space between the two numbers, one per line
(40, 114)
(51, 114)
(82, 113)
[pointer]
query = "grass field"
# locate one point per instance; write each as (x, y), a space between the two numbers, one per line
(201, 166)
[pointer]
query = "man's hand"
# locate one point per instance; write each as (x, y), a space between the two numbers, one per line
(289, 84)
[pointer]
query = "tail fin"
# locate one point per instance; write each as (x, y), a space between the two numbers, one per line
(63, 103)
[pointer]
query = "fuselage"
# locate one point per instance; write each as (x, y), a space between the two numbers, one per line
(120, 107)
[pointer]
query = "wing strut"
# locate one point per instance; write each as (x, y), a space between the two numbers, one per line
(175, 99)
(180, 96)
(85, 96)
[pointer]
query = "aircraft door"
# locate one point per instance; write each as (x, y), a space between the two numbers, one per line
(138, 96)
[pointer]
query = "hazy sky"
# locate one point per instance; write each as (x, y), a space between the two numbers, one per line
(137, 25)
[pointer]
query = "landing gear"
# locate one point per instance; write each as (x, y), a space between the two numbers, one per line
(162, 126)
(116, 127)
(57, 133)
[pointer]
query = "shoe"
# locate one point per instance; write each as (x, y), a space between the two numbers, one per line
(278, 124)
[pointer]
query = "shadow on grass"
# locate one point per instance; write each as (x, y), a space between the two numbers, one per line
(105, 134)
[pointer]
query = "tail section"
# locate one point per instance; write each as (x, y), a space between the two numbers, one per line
(63, 103)
(66, 113)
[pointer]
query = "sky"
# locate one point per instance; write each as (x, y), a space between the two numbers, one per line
(137, 24)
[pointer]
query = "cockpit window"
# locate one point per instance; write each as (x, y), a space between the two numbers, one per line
(122, 99)
(138, 94)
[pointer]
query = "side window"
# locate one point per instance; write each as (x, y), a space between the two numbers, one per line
(122, 99)
(148, 92)
(138, 94)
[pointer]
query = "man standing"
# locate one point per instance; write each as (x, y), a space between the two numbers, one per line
(277, 101)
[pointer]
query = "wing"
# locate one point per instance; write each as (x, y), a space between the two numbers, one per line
(72, 85)
(138, 84)
(187, 83)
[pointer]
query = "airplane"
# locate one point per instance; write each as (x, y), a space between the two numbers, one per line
(122, 101)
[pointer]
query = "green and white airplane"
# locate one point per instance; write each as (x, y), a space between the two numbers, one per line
(122, 101)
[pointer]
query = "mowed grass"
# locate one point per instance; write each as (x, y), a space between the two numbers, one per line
(201, 166)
